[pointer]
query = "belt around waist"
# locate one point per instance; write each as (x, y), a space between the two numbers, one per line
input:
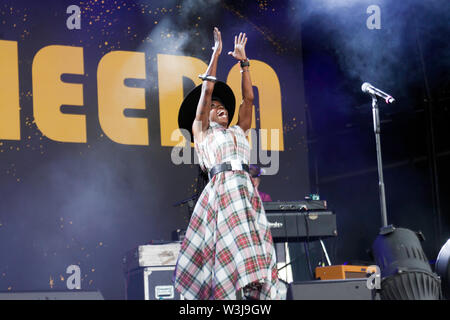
(227, 166)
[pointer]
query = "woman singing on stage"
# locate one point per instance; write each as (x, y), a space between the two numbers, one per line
(228, 251)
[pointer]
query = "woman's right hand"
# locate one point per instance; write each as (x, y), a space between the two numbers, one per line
(217, 42)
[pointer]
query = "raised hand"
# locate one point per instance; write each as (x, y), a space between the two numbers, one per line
(239, 47)
(217, 41)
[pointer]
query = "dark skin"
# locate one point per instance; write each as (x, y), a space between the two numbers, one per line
(212, 110)
(218, 113)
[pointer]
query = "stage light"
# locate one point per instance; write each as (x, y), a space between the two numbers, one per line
(443, 269)
(405, 271)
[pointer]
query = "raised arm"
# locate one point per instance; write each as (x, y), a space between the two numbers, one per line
(246, 107)
(201, 121)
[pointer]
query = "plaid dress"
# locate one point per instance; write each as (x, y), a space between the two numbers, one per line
(228, 244)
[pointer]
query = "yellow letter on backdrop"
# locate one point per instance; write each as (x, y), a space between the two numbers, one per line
(49, 93)
(9, 91)
(114, 97)
(266, 80)
(171, 70)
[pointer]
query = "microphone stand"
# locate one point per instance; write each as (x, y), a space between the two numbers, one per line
(184, 201)
(191, 201)
(376, 127)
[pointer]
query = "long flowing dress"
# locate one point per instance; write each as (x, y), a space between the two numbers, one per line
(228, 244)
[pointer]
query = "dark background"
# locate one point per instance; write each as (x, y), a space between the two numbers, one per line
(408, 57)
(88, 204)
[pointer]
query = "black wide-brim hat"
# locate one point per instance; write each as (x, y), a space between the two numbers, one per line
(188, 108)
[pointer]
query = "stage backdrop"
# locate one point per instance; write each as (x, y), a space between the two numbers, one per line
(90, 160)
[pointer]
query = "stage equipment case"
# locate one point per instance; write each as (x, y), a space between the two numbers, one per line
(149, 271)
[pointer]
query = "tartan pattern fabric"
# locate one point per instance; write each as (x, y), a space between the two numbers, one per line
(228, 244)
(218, 146)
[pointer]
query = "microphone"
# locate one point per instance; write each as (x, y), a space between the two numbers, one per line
(368, 88)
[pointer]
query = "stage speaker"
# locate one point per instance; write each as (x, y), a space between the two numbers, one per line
(52, 295)
(351, 289)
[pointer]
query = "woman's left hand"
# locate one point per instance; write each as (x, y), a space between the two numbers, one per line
(239, 47)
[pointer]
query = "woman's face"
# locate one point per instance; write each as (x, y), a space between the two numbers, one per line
(218, 113)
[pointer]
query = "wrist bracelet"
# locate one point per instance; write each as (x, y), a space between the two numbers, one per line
(245, 63)
(207, 77)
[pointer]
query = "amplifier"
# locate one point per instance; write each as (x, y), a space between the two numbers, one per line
(293, 226)
(353, 289)
(343, 272)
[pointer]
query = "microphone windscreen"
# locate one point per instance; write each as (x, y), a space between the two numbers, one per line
(365, 86)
